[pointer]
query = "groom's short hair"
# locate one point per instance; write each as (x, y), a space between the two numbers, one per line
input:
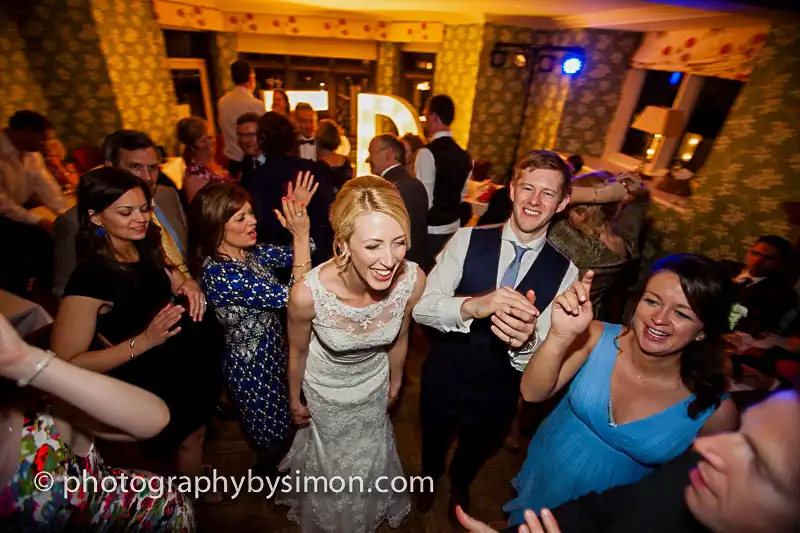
(546, 160)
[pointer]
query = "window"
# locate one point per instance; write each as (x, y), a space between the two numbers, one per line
(417, 80)
(707, 118)
(660, 89)
(342, 78)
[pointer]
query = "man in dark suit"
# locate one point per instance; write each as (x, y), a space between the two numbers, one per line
(135, 152)
(742, 482)
(247, 137)
(269, 183)
(386, 156)
(763, 286)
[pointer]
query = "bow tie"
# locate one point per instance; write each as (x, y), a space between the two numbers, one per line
(307, 141)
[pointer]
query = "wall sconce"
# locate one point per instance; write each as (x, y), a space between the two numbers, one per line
(689, 146)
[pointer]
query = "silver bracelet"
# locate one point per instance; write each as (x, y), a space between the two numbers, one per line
(40, 365)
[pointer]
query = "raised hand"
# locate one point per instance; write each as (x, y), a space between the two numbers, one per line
(572, 310)
(158, 331)
(294, 217)
(304, 188)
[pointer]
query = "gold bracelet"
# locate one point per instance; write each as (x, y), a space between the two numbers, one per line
(40, 365)
(132, 344)
(301, 266)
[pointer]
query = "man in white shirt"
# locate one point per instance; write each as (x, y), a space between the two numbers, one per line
(234, 104)
(25, 234)
(489, 301)
(306, 119)
(444, 169)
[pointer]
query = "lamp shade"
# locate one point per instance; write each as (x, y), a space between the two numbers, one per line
(663, 121)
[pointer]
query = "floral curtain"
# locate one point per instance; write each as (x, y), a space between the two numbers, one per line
(724, 53)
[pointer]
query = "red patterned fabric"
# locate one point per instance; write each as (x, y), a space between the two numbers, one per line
(724, 53)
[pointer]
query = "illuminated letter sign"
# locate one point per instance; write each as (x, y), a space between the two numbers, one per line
(395, 109)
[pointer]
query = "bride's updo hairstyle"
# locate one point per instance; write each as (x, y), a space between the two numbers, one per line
(361, 196)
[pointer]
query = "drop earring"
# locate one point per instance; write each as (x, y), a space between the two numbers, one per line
(100, 232)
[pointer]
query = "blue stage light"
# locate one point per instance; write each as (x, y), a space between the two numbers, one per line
(571, 66)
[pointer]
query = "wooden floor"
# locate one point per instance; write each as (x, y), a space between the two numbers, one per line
(230, 455)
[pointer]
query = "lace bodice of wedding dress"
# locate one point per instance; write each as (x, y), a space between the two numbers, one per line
(353, 330)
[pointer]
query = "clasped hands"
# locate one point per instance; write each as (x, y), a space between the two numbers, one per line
(513, 315)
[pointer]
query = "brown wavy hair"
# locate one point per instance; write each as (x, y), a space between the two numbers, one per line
(212, 208)
(709, 292)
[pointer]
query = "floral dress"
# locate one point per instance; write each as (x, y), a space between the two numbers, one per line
(145, 505)
(246, 295)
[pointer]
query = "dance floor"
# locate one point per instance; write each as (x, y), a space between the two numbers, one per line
(230, 455)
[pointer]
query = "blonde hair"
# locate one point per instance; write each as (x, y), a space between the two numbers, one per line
(596, 216)
(360, 196)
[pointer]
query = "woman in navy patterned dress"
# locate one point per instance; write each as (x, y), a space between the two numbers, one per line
(237, 276)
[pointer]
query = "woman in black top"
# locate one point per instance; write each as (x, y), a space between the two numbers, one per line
(121, 316)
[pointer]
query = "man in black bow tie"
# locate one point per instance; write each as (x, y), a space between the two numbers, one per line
(306, 119)
(247, 137)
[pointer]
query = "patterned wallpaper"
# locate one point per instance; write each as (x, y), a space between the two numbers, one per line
(562, 113)
(754, 165)
(224, 51)
(456, 75)
(388, 69)
(595, 93)
(133, 45)
(18, 87)
(548, 95)
(499, 96)
(64, 52)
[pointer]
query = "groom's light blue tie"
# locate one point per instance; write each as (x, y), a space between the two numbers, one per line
(510, 277)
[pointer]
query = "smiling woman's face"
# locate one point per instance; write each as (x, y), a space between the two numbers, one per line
(127, 218)
(377, 247)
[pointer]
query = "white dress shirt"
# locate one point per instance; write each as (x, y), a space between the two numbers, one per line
(425, 170)
(308, 150)
(233, 105)
(390, 168)
(440, 309)
(24, 177)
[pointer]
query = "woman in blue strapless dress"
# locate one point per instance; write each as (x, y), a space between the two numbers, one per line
(641, 392)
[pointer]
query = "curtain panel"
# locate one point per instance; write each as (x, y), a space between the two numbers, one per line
(724, 53)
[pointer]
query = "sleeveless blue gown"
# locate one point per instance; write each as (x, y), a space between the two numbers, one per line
(579, 449)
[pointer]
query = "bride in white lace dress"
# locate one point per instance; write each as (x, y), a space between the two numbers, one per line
(348, 328)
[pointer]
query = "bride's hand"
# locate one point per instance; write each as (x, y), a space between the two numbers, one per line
(394, 392)
(300, 414)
